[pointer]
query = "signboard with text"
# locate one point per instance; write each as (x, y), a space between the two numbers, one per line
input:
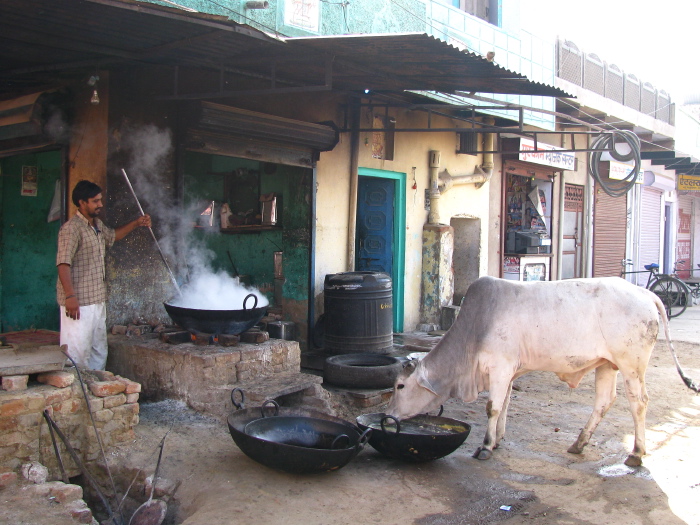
(620, 171)
(687, 182)
(546, 154)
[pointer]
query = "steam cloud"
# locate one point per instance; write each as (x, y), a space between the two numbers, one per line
(147, 148)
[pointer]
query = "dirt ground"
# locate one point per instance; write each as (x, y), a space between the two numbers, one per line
(531, 477)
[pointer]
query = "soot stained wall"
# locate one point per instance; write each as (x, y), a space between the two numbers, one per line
(252, 253)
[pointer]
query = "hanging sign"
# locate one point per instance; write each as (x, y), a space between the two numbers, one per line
(546, 154)
(687, 182)
(29, 181)
(620, 171)
(303, 14)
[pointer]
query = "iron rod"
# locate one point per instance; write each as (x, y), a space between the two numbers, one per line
(172, 276)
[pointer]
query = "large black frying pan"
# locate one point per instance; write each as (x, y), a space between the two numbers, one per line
(217, 321)
(420, 438)
(294, 439)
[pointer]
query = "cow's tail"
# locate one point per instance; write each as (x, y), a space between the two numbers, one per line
(689, 382)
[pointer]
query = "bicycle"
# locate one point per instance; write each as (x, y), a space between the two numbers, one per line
(692, 284)
(672, 291)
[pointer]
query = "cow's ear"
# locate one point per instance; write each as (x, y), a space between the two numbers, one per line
(424, 382)
(410, 365)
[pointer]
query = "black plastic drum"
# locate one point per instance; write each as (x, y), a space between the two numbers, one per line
(358, 313)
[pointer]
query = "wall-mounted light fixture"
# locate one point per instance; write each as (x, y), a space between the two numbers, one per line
(251, 4)
(92, 82)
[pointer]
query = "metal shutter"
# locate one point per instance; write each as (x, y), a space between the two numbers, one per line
(684, 239)
(650, 231)
(609, 233)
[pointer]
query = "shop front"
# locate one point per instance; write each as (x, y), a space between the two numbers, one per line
(528, 192)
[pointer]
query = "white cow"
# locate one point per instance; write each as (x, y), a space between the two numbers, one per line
(507, 328)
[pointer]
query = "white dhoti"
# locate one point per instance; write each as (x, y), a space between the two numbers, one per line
(86, 337)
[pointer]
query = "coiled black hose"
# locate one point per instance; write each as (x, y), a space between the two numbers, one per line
(616, 188)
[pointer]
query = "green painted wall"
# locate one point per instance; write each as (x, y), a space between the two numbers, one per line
(337, 18)
(252, 253)
(28, 245)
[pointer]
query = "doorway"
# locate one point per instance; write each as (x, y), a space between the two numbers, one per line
(380, 237)
(572, 230)
(28, 241)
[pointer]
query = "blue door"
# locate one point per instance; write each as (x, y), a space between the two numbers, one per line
(374, 247)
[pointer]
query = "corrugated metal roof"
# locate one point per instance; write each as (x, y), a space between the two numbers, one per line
(46, 42)
(416, 61)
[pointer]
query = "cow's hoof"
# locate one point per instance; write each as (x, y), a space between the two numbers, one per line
(483, 454)
(633, 461)
(575, 449)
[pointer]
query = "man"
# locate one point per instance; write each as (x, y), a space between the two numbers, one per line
(81, 290)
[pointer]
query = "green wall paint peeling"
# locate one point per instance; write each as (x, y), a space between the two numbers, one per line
(28, 245)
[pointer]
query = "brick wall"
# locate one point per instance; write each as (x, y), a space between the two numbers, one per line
(24, 433)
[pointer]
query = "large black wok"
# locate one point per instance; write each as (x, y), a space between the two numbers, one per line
(295, 440)
(420, 438)
(217, 321)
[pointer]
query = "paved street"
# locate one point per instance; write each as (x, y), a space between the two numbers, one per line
(686, 327)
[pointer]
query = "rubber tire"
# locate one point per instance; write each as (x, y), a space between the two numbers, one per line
(371, 371)
(673, 293)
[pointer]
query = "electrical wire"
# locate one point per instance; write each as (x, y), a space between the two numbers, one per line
(616, 188)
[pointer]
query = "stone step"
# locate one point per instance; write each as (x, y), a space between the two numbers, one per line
(304, 388)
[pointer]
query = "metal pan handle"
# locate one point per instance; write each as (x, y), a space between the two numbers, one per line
(338, 442)
(255, 304)
(238, 405)
(364, 438)
(268, 403)
(383, 425)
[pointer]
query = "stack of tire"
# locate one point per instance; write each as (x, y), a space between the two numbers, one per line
(363, 371)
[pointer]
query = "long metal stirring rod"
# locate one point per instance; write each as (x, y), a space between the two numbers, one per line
(172, 276)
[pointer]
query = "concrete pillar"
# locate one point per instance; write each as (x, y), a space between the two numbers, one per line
(437, 277)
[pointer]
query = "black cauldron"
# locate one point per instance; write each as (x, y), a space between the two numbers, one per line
(217, 321)
(295, 440)
(420, 438)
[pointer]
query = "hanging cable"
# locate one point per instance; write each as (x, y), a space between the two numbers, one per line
(616, 188)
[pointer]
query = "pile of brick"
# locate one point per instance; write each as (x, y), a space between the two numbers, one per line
(24, 433)
(29, 498)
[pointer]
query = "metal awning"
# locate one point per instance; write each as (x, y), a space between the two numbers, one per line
(415, 61)
(47, 43)
(672, 160)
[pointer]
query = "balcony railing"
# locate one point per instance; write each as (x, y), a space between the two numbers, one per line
(608, 80)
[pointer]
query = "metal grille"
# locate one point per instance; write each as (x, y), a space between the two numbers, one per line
(594, 74)
(633, 93)
(614, 83)
(609, 233)
(663, 106)
(570, 66)
(648, 106)
(468, 143)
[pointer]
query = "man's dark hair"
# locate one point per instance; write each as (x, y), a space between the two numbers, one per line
(85, 190)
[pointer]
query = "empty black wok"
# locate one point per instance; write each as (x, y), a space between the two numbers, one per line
(420, 438)
(295, 440)
(217, 321)
(300, 431)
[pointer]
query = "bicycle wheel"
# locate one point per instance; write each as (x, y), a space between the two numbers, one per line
(672, 293)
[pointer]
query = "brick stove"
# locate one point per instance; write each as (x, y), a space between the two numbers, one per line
(203, 371)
